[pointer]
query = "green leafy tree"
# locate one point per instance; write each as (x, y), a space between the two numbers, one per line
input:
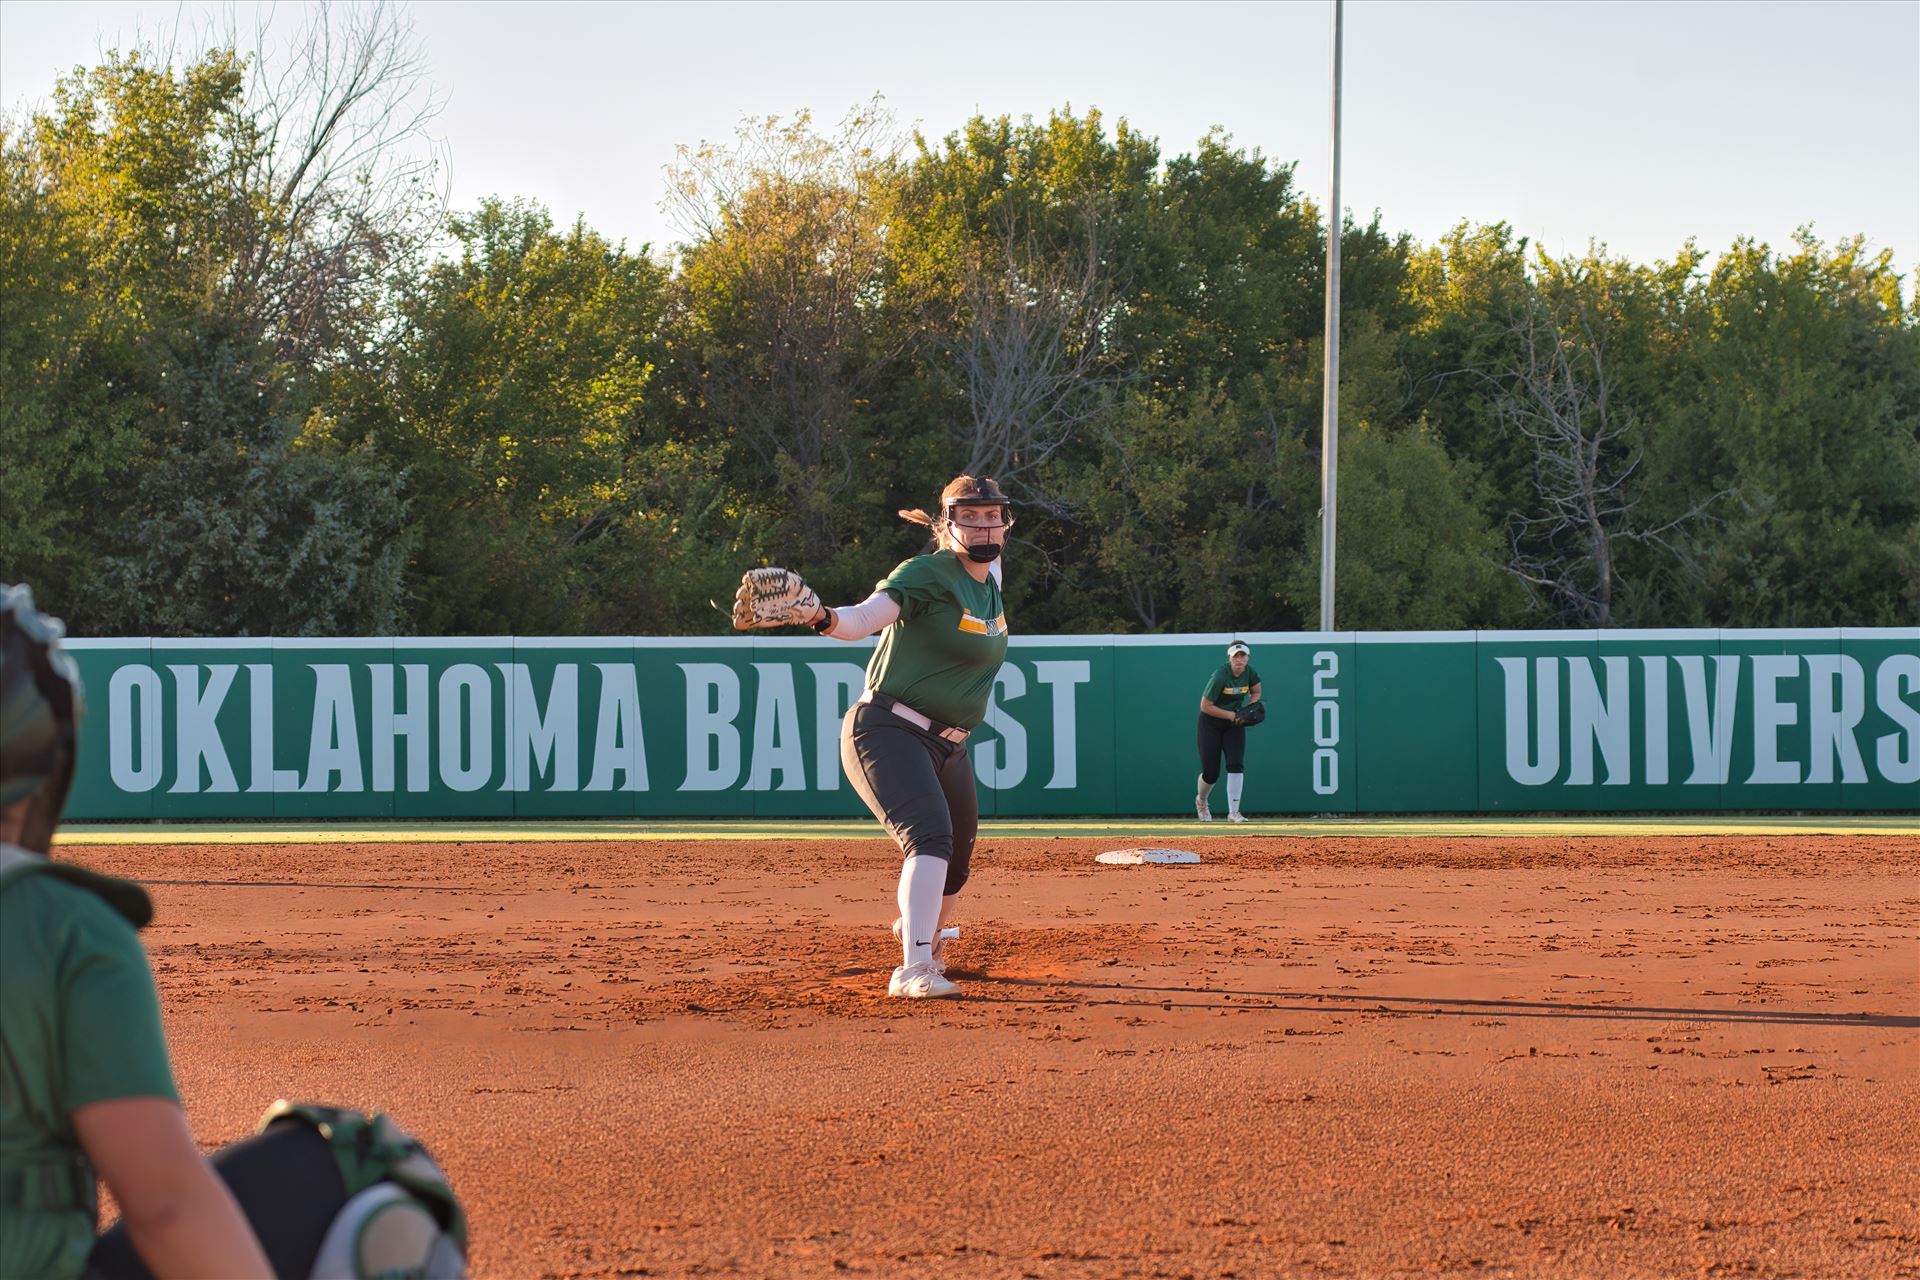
(128, 212)
(1185, 509)
(1804, 399)
(517, 402)
(112, 200)
(62, 433)
(1414, 551)
(1017, 250)
(1470, 292)
(236, 396)
(237, 525)
(778, 331)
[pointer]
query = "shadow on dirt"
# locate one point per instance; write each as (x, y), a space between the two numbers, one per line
(1125, 994)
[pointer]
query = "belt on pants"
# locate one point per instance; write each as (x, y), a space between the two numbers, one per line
(886, 702)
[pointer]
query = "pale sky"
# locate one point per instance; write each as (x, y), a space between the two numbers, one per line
(1636, 124)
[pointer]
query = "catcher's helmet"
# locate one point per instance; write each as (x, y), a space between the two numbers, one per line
(40, 708)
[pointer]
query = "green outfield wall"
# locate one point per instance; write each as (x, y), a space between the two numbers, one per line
(1358, 722)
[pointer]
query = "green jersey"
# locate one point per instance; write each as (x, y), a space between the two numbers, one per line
(79, 1024)
(1228, 691)
(941, 654)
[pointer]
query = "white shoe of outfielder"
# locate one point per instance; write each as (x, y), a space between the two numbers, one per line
(920, 982)
(1234, 815)
(1201, 811)
(940, 941)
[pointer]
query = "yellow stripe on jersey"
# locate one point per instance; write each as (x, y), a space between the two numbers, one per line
(974, 626)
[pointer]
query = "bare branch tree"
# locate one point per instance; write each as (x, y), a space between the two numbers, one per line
(1559, 393)
(1033, 352)
(351, 185)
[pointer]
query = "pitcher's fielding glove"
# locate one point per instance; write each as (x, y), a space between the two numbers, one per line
(773, 598)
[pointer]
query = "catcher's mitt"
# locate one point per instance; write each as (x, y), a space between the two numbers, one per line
(773, 598)
(1253, 713)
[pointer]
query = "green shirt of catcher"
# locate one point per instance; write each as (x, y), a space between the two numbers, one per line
(903, 746)
(79, 1024)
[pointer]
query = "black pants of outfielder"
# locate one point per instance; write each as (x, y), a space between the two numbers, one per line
(918, 785)
(289, 1187)
(1221, 737)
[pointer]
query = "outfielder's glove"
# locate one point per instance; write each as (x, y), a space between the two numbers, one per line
(1253, 713)
(773, 598)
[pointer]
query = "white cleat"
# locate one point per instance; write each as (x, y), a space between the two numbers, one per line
(1234, 815)
(920, 982)
(939, 944)
(1201, 811)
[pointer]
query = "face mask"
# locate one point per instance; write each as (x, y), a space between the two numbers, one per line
(979, 553)
(984, 552)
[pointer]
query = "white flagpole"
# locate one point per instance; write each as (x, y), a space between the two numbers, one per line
(1330, 396)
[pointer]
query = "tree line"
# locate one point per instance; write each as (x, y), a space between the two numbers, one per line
(256, 379)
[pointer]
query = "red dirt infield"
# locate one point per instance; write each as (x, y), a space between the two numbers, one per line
(1557, 1056)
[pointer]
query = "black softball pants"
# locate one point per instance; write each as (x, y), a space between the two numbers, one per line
(919, 785)
(289, 1187)
(1221, 737)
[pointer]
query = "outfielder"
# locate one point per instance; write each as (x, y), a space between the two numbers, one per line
(86, 1086)
(1229, 703)
(904, 743)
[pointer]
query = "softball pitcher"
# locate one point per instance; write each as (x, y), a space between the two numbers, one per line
(86, 1085)
(904, 743)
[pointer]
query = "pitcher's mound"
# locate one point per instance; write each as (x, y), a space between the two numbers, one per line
(1134, 857)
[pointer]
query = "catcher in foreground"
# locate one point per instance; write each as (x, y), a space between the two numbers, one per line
(86, 1085)
(904, 743)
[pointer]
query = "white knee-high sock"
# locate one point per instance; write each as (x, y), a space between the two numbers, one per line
(1206, 788)
(923, 882)
(1233, 791)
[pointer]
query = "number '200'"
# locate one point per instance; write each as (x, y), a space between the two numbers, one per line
(1326, 723)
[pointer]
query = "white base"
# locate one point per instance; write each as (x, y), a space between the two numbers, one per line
(1134, 857)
